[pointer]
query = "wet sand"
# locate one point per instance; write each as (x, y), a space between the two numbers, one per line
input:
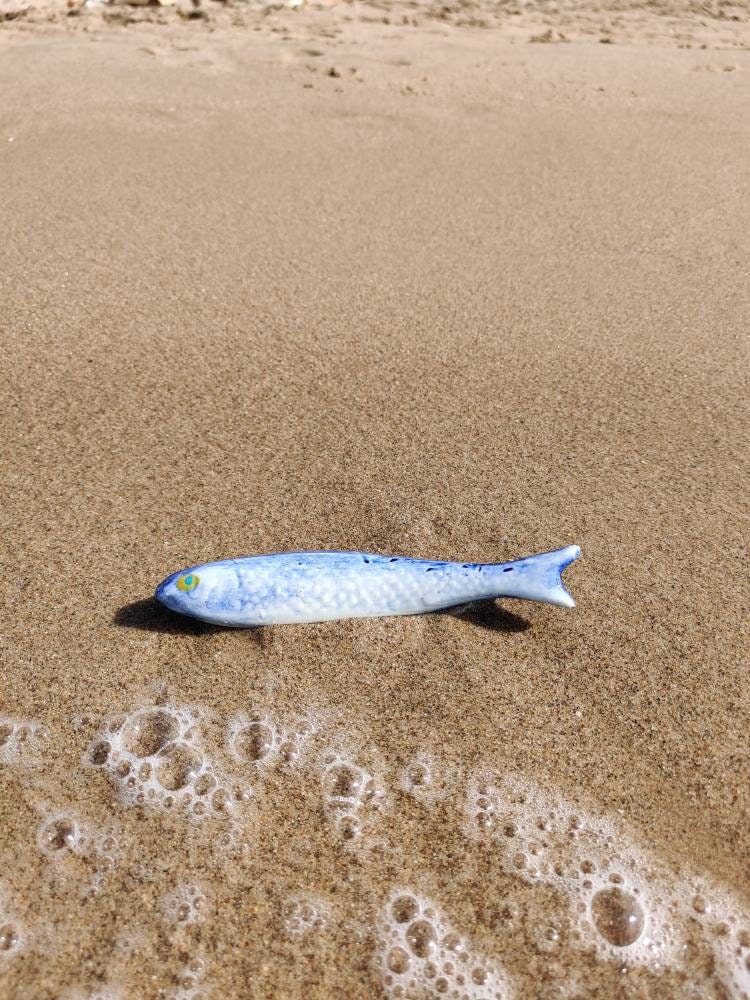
(463, 297)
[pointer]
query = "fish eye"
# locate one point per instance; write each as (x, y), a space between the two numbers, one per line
(188, 581)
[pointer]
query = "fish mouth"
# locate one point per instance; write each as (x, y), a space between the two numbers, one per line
(161, 594)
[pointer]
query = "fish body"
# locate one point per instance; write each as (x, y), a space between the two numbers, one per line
(296, 587)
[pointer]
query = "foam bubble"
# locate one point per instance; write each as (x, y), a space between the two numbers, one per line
(154, 757)
(253, 741)
(404, 908)
(624, 903)
(349, 827)
(350, 795)
(421, 954)
(421, 938)
(21, 741)
(11, 937)
(258, 741)
(59, 834)
(397, 960)
(547, 935)
(416, 775)
(344, 783)
(145, 733)
(186, 904)
(544, 838)
(190, 979)
(204, 784)
(62, 835)
(618, 916)
(178, 765)
(303, 913)
(99, 753)
(425, 780)
(722, 920)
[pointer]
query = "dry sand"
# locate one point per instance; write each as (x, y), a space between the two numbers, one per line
(467, 297)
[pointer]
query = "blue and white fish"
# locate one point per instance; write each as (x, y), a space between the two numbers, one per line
(294, 587)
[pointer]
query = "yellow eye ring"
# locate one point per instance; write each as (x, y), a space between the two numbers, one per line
(189, 581)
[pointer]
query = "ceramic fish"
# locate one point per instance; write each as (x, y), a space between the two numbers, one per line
(294, 587)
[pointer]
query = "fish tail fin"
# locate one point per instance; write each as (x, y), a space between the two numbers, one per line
(539, 577)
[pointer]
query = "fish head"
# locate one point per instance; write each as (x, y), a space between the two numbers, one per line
(189, 591)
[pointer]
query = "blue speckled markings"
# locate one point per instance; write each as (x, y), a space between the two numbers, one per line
(295, 587)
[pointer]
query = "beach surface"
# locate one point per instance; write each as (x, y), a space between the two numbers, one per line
(456, 281)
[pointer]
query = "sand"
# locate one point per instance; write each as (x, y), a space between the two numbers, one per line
(376, 278)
